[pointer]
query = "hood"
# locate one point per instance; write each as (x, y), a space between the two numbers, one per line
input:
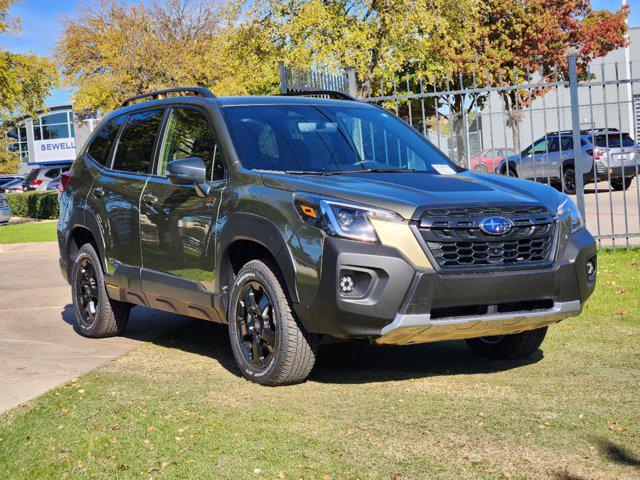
(405, 192)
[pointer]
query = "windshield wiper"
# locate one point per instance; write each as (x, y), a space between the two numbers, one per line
(379, 170)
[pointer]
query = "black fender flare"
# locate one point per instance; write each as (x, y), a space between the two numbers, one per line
(568, 162)
(86, 219)
(254, 228)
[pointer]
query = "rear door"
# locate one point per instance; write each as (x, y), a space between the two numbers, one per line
(115, 195)
(177, 225)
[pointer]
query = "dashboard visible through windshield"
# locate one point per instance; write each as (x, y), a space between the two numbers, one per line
(330, 139)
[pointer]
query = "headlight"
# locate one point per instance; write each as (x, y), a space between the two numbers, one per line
(568, 210)
(341, 219)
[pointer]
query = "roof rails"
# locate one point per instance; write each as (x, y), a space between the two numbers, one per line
(333, 94)
(189, 91)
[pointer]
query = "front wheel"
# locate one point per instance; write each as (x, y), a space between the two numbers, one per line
(269, 345)
(620, 184)
(509, 347)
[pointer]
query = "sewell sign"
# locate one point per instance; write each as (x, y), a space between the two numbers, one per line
(54, 150)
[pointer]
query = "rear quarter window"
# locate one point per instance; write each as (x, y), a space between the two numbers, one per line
(101, 144)
(613, 140)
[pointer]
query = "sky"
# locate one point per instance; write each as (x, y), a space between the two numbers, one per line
(41, 23)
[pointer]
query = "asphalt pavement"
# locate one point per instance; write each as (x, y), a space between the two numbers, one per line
(39, 348)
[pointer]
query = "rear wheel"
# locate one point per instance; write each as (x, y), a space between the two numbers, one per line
(269, 345)
(569, 180)
(509, 347)
(97, 315)
(620, 184)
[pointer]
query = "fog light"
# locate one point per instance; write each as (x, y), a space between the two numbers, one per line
(591, 269)
(347, 284)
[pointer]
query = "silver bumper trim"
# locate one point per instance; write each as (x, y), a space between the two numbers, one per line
(408, 329)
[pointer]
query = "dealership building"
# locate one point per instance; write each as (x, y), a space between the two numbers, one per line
(50, 137)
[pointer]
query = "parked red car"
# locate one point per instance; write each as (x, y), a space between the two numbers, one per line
(488, 159)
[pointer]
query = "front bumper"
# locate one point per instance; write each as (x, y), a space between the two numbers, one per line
(402, 304)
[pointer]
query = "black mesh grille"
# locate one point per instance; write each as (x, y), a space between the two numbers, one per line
(455, 240)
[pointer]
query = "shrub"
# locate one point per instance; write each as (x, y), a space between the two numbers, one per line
(34, 204)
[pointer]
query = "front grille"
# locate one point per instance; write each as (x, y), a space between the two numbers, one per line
(456, 242)
(511, 307)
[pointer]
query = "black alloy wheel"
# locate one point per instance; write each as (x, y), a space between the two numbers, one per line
(87, 294)
(255, 324)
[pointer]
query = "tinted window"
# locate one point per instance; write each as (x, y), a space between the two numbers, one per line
(101, 144)
(567, 143)
(53, 173)
(188, 134)
(554, 144)
(613, 140)
(328, 138)
(134, 152)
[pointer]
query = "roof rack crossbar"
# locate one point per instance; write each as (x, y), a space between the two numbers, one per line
(194, 91)
(333, 94)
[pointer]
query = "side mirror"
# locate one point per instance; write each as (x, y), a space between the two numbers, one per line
(187, 171)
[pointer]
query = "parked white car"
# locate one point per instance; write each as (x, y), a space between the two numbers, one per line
(5, 211)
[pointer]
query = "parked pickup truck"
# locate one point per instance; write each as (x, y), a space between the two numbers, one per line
(294, 219)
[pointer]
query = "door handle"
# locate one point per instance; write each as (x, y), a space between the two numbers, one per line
(97, 192)
(150, 199)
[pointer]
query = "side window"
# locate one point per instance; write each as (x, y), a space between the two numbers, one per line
(540, 146)
(554, 144)
(189, 134)
(567, 143)
(134, 152)
(101, 144)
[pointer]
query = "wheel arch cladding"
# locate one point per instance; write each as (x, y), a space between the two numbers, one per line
(253, 236)
(85, 229)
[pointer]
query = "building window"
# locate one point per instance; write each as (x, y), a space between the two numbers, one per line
(53, 126)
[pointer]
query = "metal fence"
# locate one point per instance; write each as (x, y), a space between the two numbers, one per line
(527, 127)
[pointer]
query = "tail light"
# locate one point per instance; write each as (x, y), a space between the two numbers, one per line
(598, 153)
(35, 183)
(64, 181)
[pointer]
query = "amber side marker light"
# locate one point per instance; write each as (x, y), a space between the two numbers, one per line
(309, 211)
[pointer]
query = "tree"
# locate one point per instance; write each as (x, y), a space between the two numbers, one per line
(25, 82)
(455, 42)
(115, 50)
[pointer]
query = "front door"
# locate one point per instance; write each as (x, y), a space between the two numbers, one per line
(177, 226)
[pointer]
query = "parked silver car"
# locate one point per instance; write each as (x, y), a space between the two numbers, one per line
(5, 211)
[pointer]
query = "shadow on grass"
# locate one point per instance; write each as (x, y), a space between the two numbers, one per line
(343, 362)
(613, 453)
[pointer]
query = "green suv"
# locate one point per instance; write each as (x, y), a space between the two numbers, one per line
(298, 218)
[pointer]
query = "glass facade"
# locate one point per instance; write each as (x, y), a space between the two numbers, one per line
(49, 137)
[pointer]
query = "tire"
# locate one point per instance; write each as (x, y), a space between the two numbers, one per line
(511, 172)
(97, 316)
(480, 168)
(508, 347)
(569, 181)
(270, 346)
(620, 184)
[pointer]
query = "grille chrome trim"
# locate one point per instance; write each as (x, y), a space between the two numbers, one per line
(453, 240)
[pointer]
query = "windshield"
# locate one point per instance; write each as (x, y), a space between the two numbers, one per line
(320, 138)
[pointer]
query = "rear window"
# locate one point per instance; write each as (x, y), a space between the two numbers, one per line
(32, 175)
(134, 152)
(101, 144)
(612, 140)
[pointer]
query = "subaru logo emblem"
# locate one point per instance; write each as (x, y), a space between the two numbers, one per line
(496, 225)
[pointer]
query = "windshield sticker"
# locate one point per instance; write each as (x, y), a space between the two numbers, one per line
(443, 169)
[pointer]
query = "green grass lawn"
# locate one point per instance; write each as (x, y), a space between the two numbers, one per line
(177, 408)
(43, 231)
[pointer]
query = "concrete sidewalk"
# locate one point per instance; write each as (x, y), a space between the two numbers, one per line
(38, 347)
